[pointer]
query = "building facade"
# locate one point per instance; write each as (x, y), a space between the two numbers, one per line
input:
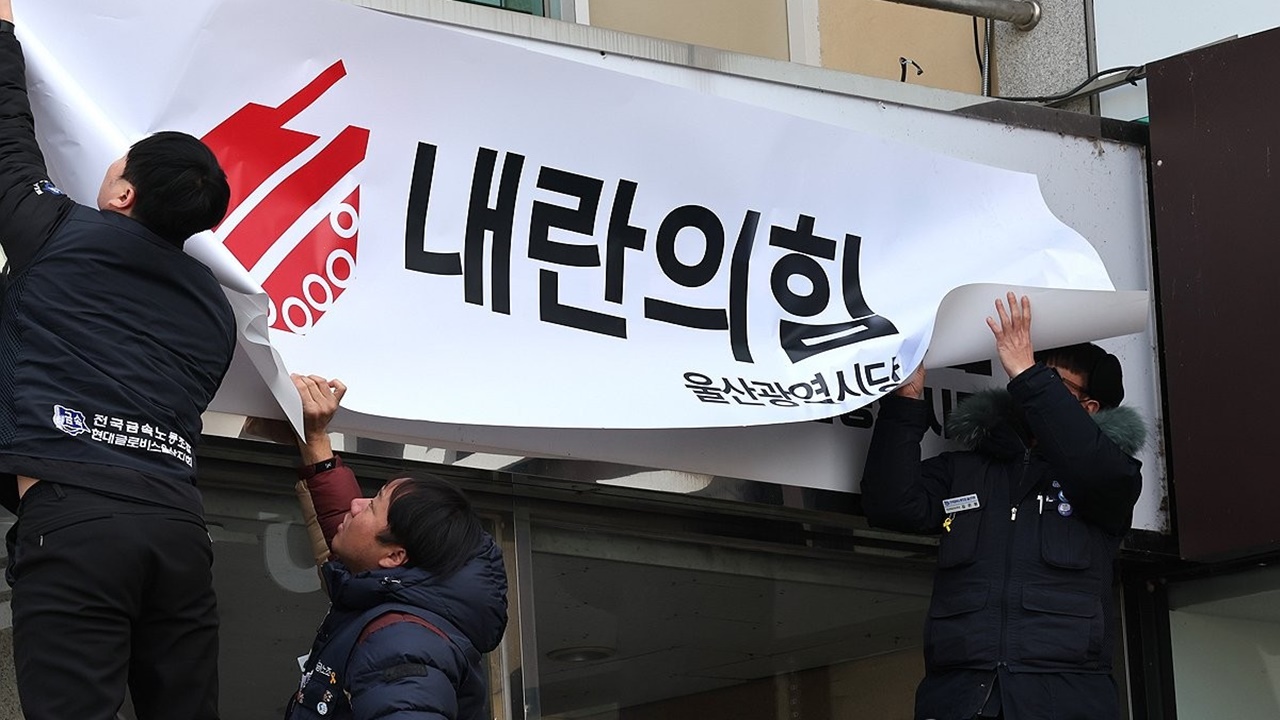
(650, 592)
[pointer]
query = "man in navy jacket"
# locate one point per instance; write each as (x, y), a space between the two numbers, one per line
(418, 590)
(1022, 621)
(112, 343)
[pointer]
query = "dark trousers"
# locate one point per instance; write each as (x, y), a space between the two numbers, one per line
(108, 592)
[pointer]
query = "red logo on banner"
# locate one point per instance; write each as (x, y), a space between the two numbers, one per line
(268, 203)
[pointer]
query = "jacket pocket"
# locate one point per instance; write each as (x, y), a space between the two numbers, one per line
(958, 546)
(955, 632)
(1064, 541)
(1060, 626)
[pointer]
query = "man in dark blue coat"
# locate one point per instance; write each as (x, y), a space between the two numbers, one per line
(1022, 622)
(112, 343)
(418, 588)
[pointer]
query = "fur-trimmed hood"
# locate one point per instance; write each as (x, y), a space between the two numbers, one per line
(989, 418)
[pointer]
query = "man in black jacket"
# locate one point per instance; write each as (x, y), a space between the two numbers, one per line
(1022, 621)
(112, 343)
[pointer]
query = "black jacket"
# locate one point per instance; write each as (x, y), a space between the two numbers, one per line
(112, 340)
(1024, 582)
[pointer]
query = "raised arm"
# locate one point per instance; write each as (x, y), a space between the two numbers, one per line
(899, 490)
(31, 207)
(1102, 480)
(331, 485)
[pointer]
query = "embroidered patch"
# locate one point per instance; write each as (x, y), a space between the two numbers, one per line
(44, 187)
(69, 421)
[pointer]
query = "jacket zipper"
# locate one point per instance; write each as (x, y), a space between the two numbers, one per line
(1008, 565)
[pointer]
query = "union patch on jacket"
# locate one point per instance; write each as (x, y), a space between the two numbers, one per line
(46, 187)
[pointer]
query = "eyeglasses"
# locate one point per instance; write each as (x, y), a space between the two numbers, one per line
(1077, 392)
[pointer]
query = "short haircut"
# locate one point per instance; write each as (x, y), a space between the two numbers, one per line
(180, 187)
(1103, 378)
(433, 521)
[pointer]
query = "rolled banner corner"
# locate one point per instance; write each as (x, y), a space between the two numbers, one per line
(1058, 317)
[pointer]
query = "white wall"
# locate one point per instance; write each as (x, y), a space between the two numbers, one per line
(1135, 32)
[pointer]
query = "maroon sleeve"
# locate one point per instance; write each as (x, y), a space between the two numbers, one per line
(331, 493)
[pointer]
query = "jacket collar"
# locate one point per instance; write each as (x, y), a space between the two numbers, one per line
(988, 421)
(474, 598)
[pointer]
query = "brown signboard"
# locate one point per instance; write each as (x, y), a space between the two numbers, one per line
(1215, 177)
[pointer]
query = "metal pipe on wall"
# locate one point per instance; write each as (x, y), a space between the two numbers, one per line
(1024, 14)
(987, 45)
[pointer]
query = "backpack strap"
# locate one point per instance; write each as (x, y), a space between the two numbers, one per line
(391, 613)
(391, 617)
(325, 675)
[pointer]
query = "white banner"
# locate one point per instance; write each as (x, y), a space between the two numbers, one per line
(430, 228)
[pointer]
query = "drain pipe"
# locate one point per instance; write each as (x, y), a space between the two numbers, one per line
(1024, 14)
(986, 57)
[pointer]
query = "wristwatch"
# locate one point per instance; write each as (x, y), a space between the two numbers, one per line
(324, 465)
(6, 26)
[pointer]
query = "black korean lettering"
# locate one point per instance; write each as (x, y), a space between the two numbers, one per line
(704, 388)
(929, 397)
(551, 310)
(806, 267)
(805, 246)
(801, 340)
(497, 220)
(739, 267)
(580, 220)
(950, 400)
(705, 222)
(622, 236)
(851, 285)
(982, 367)
(860, 418)
(881, 374)
(416, 256)
(842, 384)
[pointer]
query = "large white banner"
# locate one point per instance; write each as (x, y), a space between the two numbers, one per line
(427, 224)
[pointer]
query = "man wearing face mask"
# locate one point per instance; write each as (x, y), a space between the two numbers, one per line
(1022, 623)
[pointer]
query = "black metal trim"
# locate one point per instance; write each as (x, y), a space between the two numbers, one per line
(1148, 648)
(1039, 117)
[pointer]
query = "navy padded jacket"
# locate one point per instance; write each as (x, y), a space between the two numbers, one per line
(404, 670)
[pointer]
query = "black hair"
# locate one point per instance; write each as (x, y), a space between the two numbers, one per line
(433, 520)
(1103, 379)
(180, 187)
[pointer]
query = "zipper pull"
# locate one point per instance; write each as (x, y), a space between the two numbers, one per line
(1013, 513)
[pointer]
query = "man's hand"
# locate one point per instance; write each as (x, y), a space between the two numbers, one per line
(320, 400)
(1013, 335)
(6, 10)
(913, 387)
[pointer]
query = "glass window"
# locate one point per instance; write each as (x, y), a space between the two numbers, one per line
(1225, 632)
(528, 7)
(270, 602)
(633, 626)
